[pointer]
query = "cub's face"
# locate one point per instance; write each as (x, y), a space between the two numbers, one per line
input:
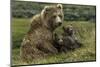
(68, 30)
(54, 15)
(59, 39)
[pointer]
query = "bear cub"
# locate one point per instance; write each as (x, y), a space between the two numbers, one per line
(67, 41)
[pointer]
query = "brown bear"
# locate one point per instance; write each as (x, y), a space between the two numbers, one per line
(70, 40)
(58, 41)
(38, 41)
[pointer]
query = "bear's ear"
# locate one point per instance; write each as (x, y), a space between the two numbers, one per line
(47, 8)
(59, 6)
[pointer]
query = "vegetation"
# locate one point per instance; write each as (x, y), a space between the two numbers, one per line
(85, 33)
(24, 9)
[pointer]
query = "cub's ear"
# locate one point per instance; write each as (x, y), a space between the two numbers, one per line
(55, 34)
(59, 6)
(63, 28)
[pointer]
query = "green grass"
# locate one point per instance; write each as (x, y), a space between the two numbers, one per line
(85, 33)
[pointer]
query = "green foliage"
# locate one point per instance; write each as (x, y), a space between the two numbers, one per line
(85, 33)
(24, 9)
(19, 29)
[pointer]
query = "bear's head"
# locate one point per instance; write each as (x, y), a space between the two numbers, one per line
(68, 30)
(52, 16)
(58, 39)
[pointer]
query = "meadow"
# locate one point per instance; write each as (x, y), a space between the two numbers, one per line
(85, 33)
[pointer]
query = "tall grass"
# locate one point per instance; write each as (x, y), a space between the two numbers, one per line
(85, 33)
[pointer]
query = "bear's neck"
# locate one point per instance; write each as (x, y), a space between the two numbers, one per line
(45, 23)
(49, 27)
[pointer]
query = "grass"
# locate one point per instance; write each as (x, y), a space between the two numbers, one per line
(85, 33)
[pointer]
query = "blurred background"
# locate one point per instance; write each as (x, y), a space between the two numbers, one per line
(24, 9)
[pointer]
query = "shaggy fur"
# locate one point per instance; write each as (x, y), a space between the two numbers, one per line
(38, 41)
(66, 41)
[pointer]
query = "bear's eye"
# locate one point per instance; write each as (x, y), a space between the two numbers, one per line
(54, 16)
(60, 16)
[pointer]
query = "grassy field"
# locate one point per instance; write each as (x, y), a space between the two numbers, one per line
(85, 33)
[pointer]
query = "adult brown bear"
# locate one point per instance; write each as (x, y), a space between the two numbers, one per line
(38, 41)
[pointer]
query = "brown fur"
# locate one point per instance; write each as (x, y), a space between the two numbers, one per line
(38, 41)
(70, 41)
(67, 41)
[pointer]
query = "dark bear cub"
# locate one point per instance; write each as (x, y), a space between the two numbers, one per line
(68, 41)
(58, 41)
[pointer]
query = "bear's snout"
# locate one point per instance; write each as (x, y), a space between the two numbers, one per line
(59, 23)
